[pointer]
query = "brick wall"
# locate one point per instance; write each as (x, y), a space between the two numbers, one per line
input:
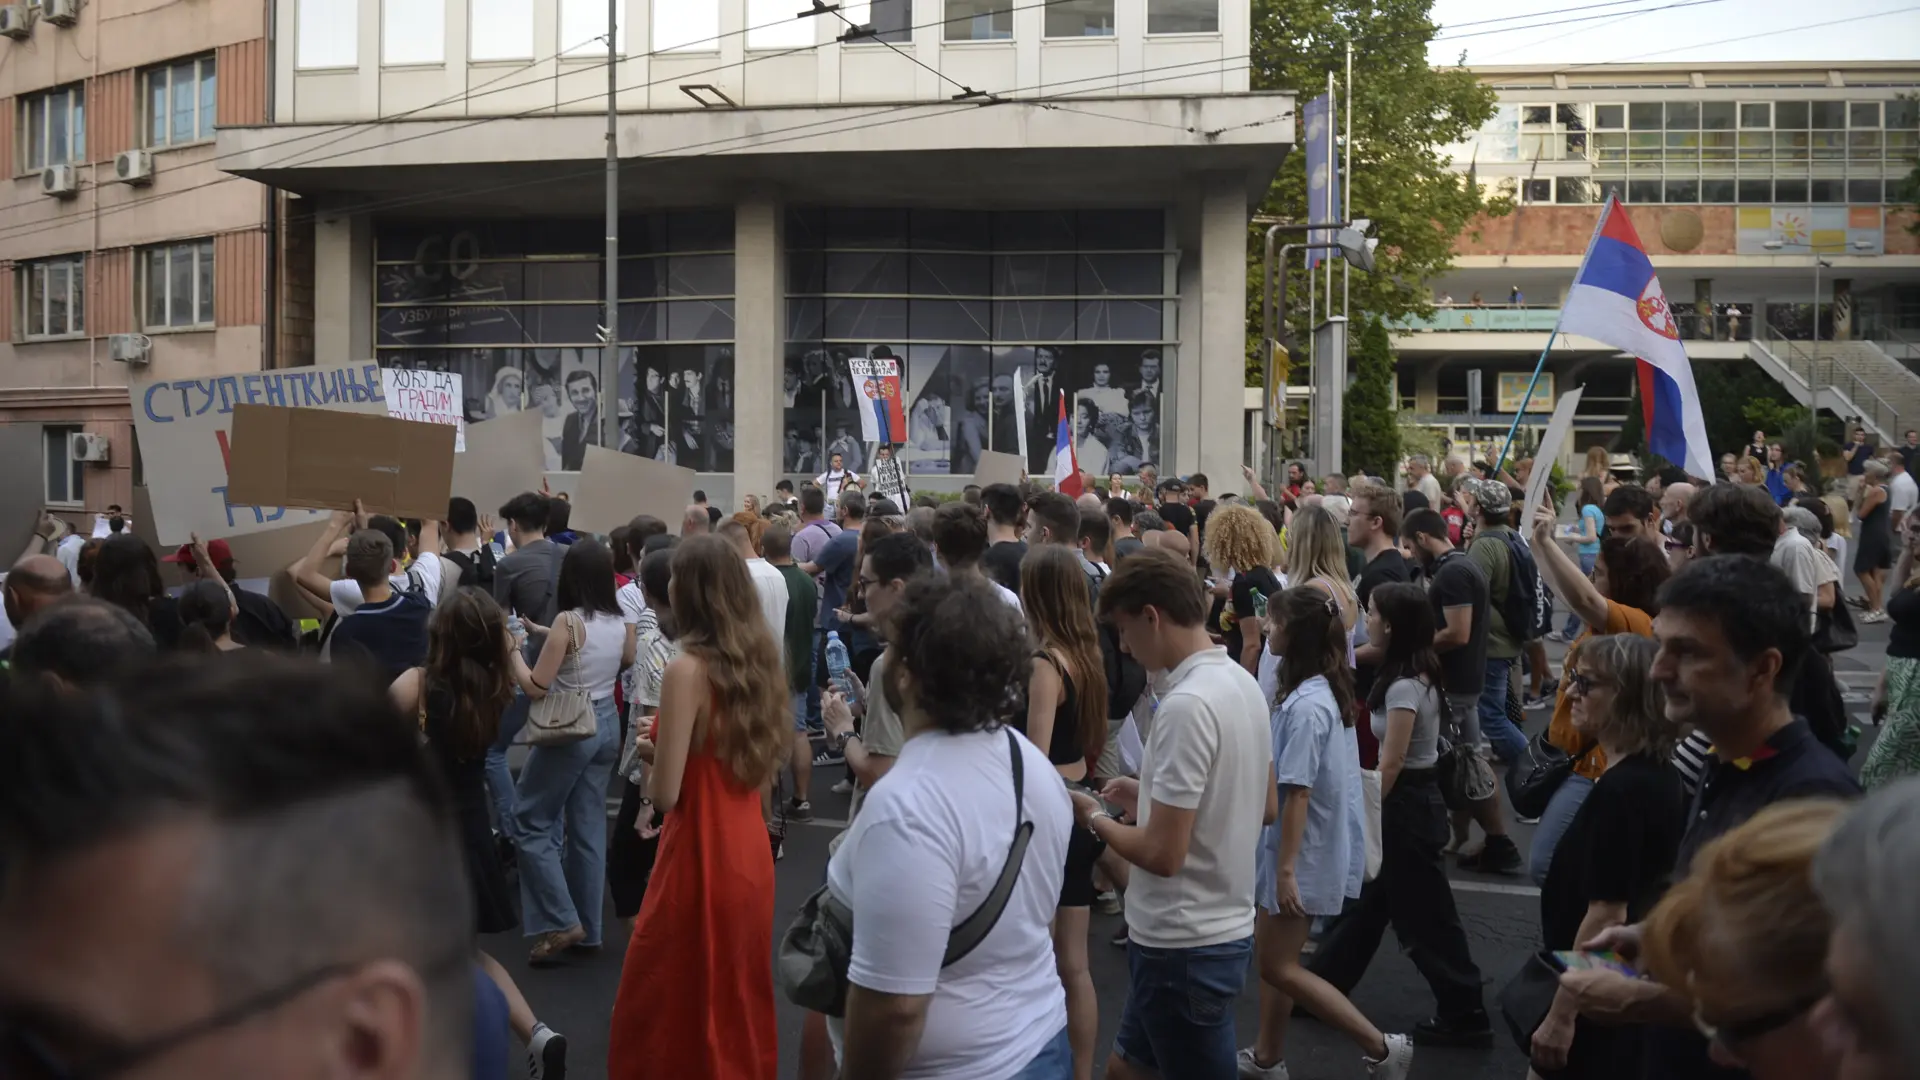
(295, 302)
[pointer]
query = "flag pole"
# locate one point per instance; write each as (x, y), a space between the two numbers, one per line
(1541, 364)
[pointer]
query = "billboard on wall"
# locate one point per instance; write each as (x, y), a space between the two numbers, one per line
(1811, 230)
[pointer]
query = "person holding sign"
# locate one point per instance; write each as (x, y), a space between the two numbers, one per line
(836, 479)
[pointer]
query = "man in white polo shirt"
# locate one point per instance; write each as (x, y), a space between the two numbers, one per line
(1206, 786)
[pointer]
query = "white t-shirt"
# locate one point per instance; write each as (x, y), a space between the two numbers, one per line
(1804, 565)
(1208, 751)
(1902, 493)
(773, 599)
(633, 602)
(832, 483)
(346, 595)
(68, 552)
(1011, 598)
(923, 854)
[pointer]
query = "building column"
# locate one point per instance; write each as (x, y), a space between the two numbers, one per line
(759, 343)
(342, 289)
(1222, 368)
(1426, 389)
(1703, 309)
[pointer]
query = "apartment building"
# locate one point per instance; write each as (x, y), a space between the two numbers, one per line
(1005, 198)
(125, 251)
(1767, 195)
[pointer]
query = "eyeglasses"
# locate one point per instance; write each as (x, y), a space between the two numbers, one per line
(1581, 684)
(1731, 1034)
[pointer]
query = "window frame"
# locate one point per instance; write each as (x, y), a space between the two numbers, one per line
(992, 11)
(144, 106)
(1598, 105)
(76, 470)
(144, 274)
(1152, 33)
(75, 97)
(75, 266)
(1740, 115)
(1111, 5)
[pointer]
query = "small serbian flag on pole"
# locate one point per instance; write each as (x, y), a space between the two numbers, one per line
(1616, 299)
(1066, 460)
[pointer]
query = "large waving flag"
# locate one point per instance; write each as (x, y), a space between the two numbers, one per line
(1066, 459)
(877, 380)
(1616, 299)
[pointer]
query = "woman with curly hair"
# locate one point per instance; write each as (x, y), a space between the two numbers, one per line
(696, 992)
(1239, 547)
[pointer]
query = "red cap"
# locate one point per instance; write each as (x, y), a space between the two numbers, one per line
(217, 550)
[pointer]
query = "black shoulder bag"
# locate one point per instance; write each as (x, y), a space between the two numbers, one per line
(817, 949)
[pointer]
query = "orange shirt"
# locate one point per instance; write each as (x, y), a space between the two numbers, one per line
(1560, 731)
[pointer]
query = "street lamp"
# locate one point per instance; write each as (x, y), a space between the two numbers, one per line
(1354, 245)
(1819, 260)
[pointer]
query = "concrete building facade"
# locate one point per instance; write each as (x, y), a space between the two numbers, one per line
(179, 258)
(1738, 178)
(1008, 198)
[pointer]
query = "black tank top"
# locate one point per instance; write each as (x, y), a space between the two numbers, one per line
(1064, 747)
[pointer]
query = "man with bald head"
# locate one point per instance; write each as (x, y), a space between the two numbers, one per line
(35, 582)
(1676, 532)
(696, 521)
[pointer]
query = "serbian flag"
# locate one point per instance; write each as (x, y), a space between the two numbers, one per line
(1616, 299)
(882, 419)
(1066, 460)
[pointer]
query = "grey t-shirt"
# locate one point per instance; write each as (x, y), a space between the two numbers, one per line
(881, 733)
(526, 581)
(1423, 748)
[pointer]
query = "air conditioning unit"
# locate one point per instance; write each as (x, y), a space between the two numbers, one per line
(13, 21)
(133, 167)
(61, 12)
(85, 446)
(136, 349)
(60, 181)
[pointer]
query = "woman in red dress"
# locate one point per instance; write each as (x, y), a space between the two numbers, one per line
(696, 992)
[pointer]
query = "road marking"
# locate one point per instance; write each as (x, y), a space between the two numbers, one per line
(1495, 888)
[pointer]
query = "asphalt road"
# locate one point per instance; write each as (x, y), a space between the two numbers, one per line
(1501, 915)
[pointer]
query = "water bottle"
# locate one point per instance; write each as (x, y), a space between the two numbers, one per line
(838, 665)
(515, 627)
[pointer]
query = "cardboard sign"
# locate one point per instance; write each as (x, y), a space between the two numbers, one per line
(998, 468)
(1550, 443)
(23, 489)
(183, 427)
(614, 487)
(504, 457)
(429, 397)
(398, 467)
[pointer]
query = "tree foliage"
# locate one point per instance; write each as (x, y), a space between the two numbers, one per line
(1405, 114)
(1370, 437)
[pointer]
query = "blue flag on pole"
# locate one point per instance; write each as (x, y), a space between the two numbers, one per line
(1323, 172)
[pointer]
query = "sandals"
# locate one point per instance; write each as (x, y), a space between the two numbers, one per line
(554, 946)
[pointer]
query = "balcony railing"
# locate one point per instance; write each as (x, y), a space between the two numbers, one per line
(1540, 320)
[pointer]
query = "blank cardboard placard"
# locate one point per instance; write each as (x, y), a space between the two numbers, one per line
(1550, 443)
(504, 457)
(614, 487)
(319, 458)
(998, 468)
(22, 488)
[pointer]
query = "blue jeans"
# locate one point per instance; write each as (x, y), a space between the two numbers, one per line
(813, 685)
(1572, 629)
(499, 776)
(1179, 1013)
(563, 830)
(1508, 741)
(1053, 1062)
(1554, 820)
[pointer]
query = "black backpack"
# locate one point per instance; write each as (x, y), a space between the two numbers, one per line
(474, 571)
(1528, 608)
(1126, 679)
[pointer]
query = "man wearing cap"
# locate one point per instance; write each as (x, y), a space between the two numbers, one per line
(260, 624)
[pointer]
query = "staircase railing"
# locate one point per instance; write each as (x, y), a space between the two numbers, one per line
(1817, 372)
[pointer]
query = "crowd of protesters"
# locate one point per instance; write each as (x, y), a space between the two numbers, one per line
(1255, 724)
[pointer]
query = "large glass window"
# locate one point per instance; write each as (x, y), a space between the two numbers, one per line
(1183, 16)
(693, 25)
(516, 307)
(583, 29)
(1080, 18)
(889, 20)
(413, 31)
(327, 34)
(176, 285)
(53, 127)
(179, 102)
(53, 294)
(979, 20)
(65, 478)
(777, 24)
(992, 319)
(500, 30)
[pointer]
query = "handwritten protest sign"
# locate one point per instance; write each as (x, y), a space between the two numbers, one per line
(183, 426)
(429, 397)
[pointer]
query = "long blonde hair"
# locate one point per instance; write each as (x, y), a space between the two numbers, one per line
(1316, 550)
(1597, 462)
(717, 611)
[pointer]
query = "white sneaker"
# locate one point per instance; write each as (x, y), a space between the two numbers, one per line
(1398, 1063)
(1251, 1069)
(547, 1054)
(843, 787)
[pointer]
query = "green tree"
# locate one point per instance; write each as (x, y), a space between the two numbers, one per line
(1405, 114)
(1370, 439)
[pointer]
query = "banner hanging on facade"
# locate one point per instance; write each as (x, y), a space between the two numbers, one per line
(883, 417)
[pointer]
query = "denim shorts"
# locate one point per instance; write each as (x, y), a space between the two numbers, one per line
(1179, 1011)
(800, 711)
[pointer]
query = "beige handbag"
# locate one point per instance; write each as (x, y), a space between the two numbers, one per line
(563, 716)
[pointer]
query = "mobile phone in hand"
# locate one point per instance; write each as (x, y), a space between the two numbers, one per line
(1575, 960)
